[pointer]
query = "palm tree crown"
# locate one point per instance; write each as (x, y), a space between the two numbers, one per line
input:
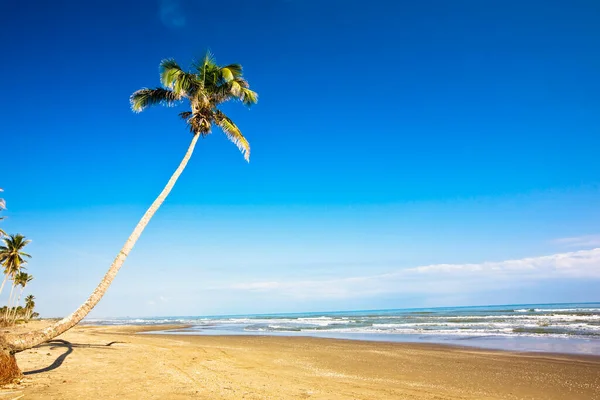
(29, 302)
(205, 88)
(11, 254)
(22, 279)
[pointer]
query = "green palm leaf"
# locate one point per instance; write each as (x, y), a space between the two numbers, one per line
(226, 75)
(205, 87)
(233, 133)
(145, 97)
(235, 69)
(186, 84)
(185, 115)
(169, 71)
(249, 97)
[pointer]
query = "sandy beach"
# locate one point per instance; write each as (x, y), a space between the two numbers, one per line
(93, 362)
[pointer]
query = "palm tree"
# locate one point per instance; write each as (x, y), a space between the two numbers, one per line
(29, 305)
(11, 255)
(22, 279)
(19, 278)
(204, 88)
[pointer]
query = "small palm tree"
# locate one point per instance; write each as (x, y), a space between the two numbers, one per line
(205, 88)
(22, 279)
(29, 305)
(11, 256)
(19, 278)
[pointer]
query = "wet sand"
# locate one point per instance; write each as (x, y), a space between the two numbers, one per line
(152, 366)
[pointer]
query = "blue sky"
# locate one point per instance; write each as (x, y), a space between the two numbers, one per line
(404, 154)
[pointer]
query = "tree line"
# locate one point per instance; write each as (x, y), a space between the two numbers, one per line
(13, 263)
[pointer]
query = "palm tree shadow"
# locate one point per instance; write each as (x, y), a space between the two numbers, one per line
(57, 343)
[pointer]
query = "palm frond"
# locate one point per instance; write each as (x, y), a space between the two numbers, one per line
(169, 71)
(186, 84)
(233, 133)
(249, 97)
(207, 61)
(229, 90)
(145, 97)
(242, 82)
(226, 75)
(239, 89)
(230, 72)
(185, 115)
(208, 71)
(176, 79)
(236, 89)
(236, 70)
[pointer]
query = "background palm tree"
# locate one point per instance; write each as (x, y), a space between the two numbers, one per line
(11, 255)
(22, 279)
(29, 306)
(204, 88)
(19, 278)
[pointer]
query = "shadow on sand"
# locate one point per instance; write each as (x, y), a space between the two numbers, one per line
(58, 343)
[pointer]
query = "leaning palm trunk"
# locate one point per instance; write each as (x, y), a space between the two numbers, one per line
(14, 314)
(3, 282)
(14, 343)
(12, 288)
(205, 89)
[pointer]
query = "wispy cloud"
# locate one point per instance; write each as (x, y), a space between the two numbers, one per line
(579, 241)
(440, 279)
(160, 299)
(171, 13)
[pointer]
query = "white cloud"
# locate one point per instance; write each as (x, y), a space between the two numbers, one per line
(256, 285)
(440, 279)
(171, 13)
(159, 299)
(580, 241)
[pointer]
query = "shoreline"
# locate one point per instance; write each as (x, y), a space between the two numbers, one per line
(515, 344)
(260, 367)
(401, 345)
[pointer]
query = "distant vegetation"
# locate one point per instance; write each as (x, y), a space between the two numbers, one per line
(12, 261)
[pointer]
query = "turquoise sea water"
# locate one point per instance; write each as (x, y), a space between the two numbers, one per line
(562, 328)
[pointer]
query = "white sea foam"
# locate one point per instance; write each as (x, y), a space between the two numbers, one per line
(566, 317)
(574, 310)
(535, 321)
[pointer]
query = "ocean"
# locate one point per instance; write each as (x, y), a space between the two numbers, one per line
(560, 328)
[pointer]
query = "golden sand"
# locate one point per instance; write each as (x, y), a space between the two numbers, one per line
(152, 366)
